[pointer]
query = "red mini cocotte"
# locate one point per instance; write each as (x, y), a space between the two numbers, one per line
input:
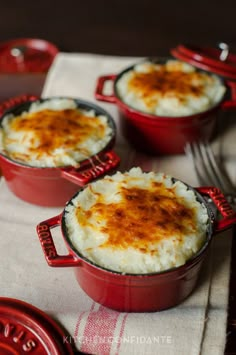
(128, 292)
(157, 134)
(53, 186)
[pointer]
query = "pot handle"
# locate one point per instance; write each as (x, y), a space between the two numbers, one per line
(14, 101)
(97, 166)
(228, 214)
(48, 246)
(100, 96)
(229, 104)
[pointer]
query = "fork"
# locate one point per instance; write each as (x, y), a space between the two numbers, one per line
(209, 170)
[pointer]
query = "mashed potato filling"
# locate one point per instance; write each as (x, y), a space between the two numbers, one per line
(54, 133)
(137, 222)
(171, 89)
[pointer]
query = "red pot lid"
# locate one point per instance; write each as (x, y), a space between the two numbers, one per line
(26, 329)
(217, 60)
(26, 55)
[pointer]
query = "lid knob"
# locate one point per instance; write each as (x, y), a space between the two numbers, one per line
(224, 51)
(18, 53)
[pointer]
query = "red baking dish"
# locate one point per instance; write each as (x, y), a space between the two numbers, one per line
(166, 135)
(137, 292)
(55, 186)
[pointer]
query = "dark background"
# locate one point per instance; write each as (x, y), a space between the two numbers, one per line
(145, 28)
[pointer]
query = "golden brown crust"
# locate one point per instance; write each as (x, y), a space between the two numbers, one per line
(158, 209)
(159, 83)
(57, 129)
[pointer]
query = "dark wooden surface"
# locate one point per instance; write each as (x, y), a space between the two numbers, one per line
(231, 324)
(124, 27)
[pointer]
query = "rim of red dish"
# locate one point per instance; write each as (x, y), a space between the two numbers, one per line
(188, 264)
(142, 115)
(22, 107)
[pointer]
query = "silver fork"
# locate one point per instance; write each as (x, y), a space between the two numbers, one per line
(209, 170)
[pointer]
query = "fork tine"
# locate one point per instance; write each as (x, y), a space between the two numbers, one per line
(210, 165)
(206, 166)
(208, 170)
(224, 181)
(194, 151)
(191, 153)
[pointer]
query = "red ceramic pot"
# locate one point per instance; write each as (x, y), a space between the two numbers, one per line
(55, 186)
(163, 135)
(137, 293)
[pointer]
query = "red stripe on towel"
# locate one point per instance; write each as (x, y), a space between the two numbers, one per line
(99, 331)
(80, 319)
(122, 328)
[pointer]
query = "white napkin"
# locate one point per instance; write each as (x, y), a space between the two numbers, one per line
(197, 326)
